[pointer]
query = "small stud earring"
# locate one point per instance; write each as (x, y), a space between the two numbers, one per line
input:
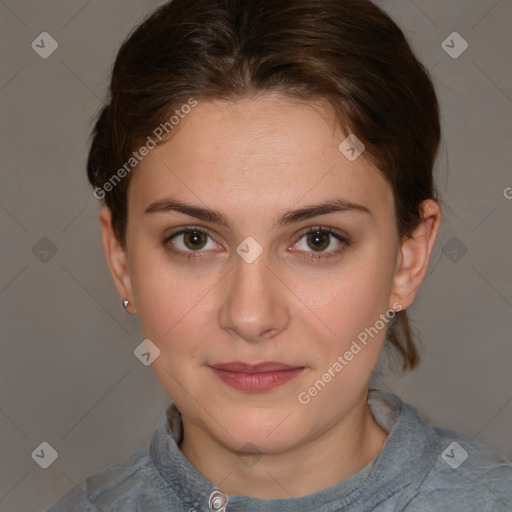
(125, 303)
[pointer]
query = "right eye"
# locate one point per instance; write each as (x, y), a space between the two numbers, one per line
(189, 241)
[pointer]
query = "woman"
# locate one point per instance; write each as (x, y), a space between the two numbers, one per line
(269, 213)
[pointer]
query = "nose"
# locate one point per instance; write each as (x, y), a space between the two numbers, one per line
(255, 304)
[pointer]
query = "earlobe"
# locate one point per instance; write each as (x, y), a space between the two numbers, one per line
(414, 255)
(117, 260)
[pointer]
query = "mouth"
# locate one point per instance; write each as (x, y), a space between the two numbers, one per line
(255, 377)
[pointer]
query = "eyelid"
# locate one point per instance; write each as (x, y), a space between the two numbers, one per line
(185, 229)
(199, 254)
(331, 231)
(323, 256)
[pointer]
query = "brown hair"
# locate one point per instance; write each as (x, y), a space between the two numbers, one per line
(348, 52)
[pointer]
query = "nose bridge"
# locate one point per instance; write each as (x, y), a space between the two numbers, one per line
(253, 305)
(251, 283)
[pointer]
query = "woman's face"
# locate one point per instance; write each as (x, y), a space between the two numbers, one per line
(231, 275)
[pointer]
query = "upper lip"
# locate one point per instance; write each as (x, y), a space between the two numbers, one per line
(238, 366)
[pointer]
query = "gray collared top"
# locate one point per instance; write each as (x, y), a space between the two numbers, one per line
(420, 468)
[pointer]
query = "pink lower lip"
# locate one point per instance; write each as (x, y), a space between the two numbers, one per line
(257, 381)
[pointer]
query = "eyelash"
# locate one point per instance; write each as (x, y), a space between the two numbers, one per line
(312, 256)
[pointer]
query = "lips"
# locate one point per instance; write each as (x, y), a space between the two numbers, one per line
(238, 366)
(255, 377)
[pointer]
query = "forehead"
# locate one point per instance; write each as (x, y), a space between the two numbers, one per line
(266, 152)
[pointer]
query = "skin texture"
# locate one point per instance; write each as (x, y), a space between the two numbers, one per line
(254, 160)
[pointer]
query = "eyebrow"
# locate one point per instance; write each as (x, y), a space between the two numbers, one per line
(291, 217)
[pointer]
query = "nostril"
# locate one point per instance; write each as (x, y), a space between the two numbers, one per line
(269, 333)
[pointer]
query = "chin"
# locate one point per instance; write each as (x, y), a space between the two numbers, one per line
(262, 432)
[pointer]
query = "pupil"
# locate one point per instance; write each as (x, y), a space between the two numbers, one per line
(194, 239)
(319, 240)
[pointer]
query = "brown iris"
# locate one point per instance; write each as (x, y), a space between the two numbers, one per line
(195, 239)
(318, 240)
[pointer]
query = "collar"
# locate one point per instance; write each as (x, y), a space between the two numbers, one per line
(392, 468)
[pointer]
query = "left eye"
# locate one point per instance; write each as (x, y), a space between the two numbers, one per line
(320, 240)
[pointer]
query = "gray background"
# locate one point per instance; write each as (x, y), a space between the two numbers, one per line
(68, 375)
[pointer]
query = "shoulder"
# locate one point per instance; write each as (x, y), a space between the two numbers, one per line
(466, 476)
(113, 487)
(425, 468)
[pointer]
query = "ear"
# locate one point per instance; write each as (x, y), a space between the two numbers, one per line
(117, 260)
(414, 255)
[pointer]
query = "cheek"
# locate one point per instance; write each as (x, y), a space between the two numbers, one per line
(351, 306)
(353, 298)
(179, 303)
(350, 303)
(172, 301)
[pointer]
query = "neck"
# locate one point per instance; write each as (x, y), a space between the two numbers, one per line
(323, 461)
